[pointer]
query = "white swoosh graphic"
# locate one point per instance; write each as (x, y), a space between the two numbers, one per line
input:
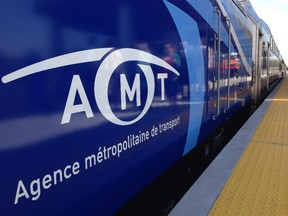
(59, 61)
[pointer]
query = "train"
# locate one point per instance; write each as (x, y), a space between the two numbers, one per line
(100, 98)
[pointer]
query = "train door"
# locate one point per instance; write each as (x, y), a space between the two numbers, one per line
(256, 72)
(260, 69)
(264, 67)
(218, 63)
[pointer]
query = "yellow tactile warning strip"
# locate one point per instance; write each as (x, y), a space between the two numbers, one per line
(259, 182)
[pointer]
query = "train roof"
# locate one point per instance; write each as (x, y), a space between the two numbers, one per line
(246, 4)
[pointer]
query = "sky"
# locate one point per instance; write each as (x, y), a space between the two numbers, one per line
(274, 13)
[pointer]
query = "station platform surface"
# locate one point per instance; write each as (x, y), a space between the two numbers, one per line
(250, 175)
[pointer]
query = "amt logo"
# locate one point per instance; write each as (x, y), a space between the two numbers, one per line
(102, 79)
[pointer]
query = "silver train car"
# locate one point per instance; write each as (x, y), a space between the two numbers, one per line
(268, 64)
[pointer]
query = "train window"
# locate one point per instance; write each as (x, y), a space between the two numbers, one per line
(264, 61)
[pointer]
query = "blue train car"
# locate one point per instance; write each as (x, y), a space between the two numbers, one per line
(98, 99)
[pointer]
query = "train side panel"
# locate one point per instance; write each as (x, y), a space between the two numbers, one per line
(98, 112)
(96, 101)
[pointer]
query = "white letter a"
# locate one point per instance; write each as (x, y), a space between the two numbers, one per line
(20, 194)
(70, 108)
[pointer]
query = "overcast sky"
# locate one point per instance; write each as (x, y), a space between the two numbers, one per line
(275, 14)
